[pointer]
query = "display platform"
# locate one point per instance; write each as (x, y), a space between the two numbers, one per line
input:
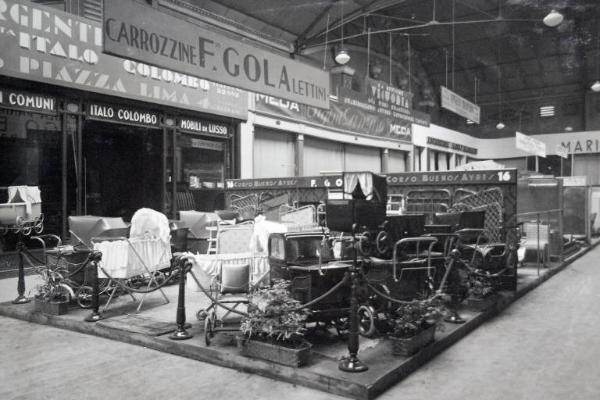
(150, 329)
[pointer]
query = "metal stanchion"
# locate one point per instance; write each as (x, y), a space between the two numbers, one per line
(181, 333)
(95, 257)
(538, 244)
(453, 315)
(352, 363)
(21, 299)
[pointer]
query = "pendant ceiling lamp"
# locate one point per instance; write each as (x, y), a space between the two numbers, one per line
(342, 56)
(554, 18)
(596, 86)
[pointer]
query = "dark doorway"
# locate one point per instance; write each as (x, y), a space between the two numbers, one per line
(122, 166)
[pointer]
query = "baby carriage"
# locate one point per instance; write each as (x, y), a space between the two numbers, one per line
(137, 258)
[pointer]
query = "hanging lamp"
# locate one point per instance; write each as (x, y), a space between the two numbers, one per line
(554, 18)
(342, 56)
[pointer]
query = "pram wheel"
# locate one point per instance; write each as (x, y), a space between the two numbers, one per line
(366, 321)
(208, 330)
(84, 296)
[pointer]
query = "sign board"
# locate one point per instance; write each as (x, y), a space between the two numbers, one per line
(530, 145)
(562, 151)
(450, 145)
(42, 44)
(328, 181)
(574, 180)
(340, 116)
(132, 29)
(505, 176)
(459, 105)
(24, 101)
(122, 114)
(203, 127)
(382, 99)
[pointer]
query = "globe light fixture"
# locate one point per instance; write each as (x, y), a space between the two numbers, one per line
(554, 18)
(596, 86)
(342, 56)
(500, 125)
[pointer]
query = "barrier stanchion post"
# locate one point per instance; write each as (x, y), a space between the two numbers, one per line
(352, 363)
(95, 257)
(21, 299)
(181, 333)
(538, 242)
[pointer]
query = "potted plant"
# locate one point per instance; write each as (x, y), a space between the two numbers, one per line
(481, 292)
(414, 325)
(274, 328)
(52, 295)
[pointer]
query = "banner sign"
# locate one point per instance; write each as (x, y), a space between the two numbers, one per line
(41, 44)
(339, 117)
(562, 151)
(453, 178)
(385, 100)
(449, 145)
(197, 126)
(135, 30)
(459, 105)
(578, 180)
(122, 115)
(328, 181)
(530, 145)
(19, 100)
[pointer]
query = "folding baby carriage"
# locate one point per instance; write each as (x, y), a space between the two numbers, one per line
(144, 253)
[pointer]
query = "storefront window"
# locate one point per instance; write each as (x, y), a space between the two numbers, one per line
(30, 154)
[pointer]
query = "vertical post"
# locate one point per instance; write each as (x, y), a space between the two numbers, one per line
(537, 164)
(21, 299)
(79, 161)
(352, 363)
(538, 242)
(174, 173)
(95, 315)
(181, 333)
(299, 167)
(63, 170)
(163, 191)
(385, 161)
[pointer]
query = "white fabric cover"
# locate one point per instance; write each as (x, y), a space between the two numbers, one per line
(366, 183)
(123, 259)
(148, 248)
(25, 194)
(210, 265)
(259, 242)
(150, 224)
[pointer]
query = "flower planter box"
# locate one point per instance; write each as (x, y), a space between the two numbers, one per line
(408, 346)
(50, 308)
(293, 357)
(481, 304)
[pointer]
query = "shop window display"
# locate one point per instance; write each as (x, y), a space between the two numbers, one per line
(30, 154)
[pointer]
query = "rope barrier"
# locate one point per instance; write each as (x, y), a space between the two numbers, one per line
(397, 301)
(130, 289)
(329, 292)
(310, 303)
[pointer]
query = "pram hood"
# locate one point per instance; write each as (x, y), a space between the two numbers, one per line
(147, 223)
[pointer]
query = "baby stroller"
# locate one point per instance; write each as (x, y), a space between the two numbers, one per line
(229, 291)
